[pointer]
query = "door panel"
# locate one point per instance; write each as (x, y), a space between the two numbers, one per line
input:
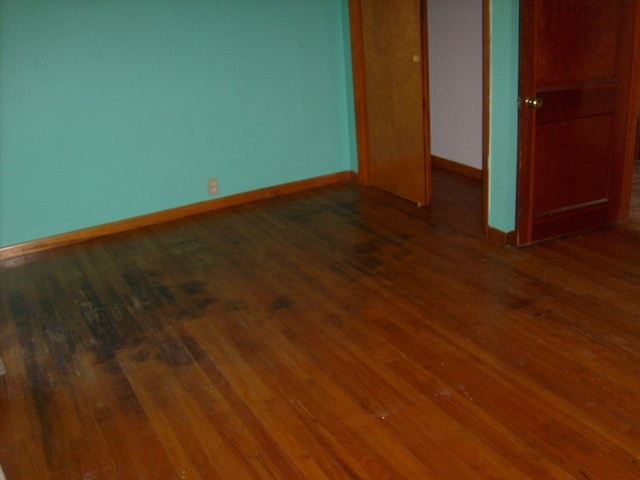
(572, 150)
(577, 41)
(394, 82)
(576, 62)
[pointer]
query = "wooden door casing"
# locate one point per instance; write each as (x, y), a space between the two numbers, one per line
(389, 44)
(576, 58)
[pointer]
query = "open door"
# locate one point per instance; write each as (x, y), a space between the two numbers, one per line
(391, 90)
(575, 128)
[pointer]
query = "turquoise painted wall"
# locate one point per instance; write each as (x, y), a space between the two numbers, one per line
(119, 108)
(348, 68)
(503, 145)
(114, 109)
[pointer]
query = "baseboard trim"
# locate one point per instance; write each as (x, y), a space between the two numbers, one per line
(112, 228)
(498, 236)
(456, 167)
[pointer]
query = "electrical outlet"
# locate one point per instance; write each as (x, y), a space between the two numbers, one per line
(213, 186)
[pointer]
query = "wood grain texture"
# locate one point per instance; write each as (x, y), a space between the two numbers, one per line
(576, 148)
(336, 333)
(391, 51)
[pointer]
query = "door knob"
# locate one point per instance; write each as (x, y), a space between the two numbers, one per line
(533, 102)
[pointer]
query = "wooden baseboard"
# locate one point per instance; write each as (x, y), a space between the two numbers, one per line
(172, 214)
(452, 166)
(498, 236)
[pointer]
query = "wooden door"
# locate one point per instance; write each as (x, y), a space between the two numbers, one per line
(575, 89)
(390, 73)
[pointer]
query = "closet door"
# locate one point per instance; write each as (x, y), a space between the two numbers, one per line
(392, 88)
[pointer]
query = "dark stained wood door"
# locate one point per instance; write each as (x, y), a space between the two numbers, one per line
(575, 89)
(391, 88)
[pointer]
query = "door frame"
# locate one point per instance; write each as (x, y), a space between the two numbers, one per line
(632, 125)
(487, 231)
(362, 136)
(360, 93)
(622, 180)
(355, 15)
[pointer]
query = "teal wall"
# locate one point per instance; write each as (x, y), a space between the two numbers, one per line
(119, 108)
(503, 144)
(348, 68)
(116, 108)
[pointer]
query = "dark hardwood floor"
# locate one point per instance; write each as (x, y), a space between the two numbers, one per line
(337, 334)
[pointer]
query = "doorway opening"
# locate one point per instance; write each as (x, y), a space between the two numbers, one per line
(456, 73)
(456, 84)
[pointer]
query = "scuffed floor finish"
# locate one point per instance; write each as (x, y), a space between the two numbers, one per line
(337, 334)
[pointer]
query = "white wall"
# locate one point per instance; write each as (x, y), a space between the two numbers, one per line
(455, 78)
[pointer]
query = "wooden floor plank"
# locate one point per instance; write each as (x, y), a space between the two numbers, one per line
(335, 333)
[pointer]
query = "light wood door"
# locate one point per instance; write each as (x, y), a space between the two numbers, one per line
(390, 70)
(575, 74)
